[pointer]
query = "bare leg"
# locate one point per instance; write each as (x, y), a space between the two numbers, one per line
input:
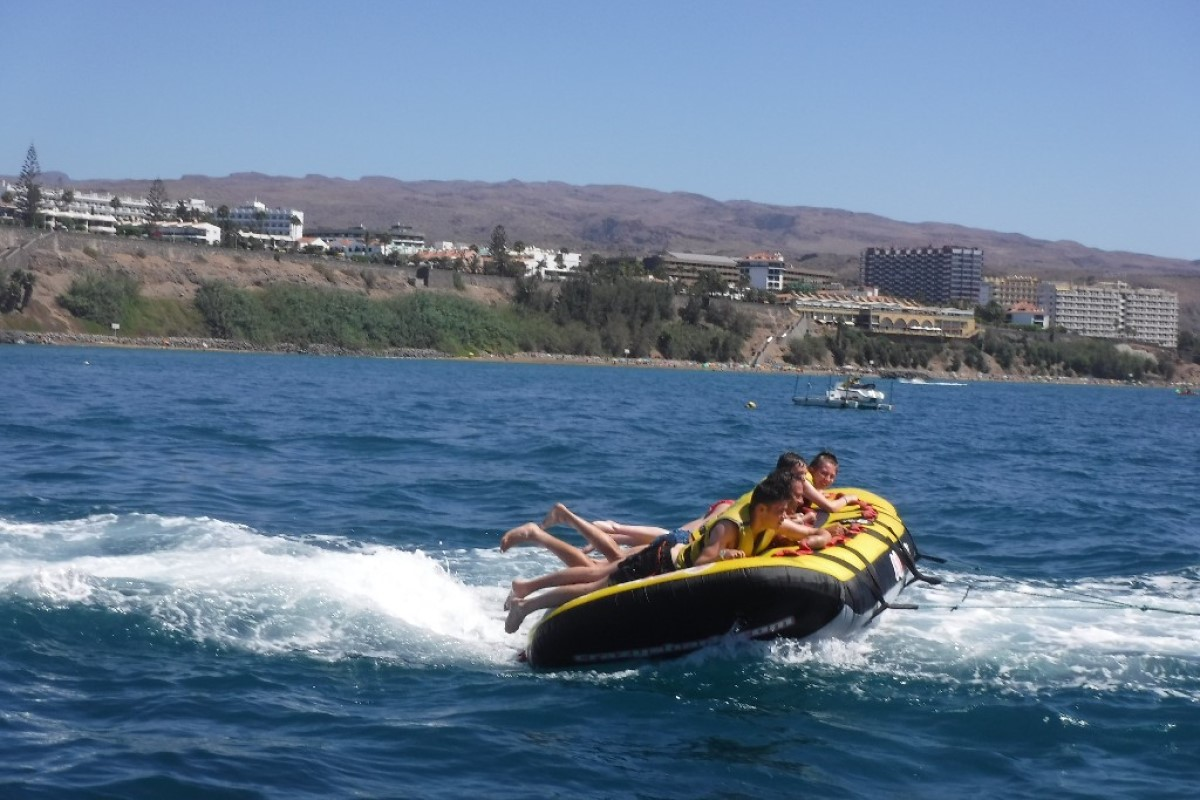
(530, 533)
(600, 540)
(520, 608)
(598, 570)
(630, 534)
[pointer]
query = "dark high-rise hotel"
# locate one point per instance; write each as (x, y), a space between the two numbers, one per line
(929, 274)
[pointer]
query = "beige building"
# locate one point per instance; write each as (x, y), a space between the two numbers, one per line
(1009, 290)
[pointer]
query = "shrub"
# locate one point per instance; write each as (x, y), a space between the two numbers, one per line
(101, 298)
(16, 289)
(231, 313)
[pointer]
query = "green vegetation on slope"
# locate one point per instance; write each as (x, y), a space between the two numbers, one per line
(1043, 352)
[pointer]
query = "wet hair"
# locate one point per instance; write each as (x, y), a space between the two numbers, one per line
(822, 457)
(789, 461)
(773, 488)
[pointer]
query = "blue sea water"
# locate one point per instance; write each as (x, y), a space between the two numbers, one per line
(263, 576)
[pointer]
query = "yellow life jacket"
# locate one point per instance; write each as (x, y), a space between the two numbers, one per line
(748, 543)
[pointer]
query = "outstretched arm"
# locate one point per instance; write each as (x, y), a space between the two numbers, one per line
(720, 544)
(815, 496)
(796, 531)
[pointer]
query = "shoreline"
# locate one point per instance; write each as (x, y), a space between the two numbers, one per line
(202, 344)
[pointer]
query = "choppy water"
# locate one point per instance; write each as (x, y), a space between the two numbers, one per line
(276, 576)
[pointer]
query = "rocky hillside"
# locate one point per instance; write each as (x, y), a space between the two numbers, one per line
(639, 222)
(175, 271)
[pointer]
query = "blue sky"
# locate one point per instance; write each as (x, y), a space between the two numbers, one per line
(1058, 119)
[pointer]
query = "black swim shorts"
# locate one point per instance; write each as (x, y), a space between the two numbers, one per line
(655, 559)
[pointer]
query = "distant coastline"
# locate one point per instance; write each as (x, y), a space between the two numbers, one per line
(200, 344)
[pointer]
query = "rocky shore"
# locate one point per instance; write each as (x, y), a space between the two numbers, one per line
(198, 343)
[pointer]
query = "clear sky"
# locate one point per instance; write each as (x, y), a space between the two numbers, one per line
(1058, 119)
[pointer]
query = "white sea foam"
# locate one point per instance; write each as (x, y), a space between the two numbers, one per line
(1110, 635)
(232, 586)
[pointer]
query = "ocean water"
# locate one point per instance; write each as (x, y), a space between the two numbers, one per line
(264, 576)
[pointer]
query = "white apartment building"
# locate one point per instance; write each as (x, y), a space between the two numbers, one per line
(1113, 310)
(404, 240)
(257, 221)
(764, 271)
(549, 264)
(1151, 315)
(101, 212)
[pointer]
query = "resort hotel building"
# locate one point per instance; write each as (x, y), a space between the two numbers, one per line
(939, 275)
(276, 225)
(1113, 310)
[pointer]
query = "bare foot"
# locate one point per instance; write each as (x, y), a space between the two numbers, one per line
(557, 516)
(520, 590)
(516, 615)
(522, 534)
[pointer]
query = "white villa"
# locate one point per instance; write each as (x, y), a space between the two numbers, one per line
(548, 264)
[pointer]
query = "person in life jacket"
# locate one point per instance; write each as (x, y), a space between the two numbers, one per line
(739, 531)
(822, 472)
(799, 526)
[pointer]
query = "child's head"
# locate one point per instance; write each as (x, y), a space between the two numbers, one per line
(792, 463)
(824, 469)
(770, 500)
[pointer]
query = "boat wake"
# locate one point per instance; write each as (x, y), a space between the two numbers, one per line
(1127, 634)
(227, 585)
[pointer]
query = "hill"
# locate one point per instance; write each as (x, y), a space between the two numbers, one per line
(639, 222)
(169, 274)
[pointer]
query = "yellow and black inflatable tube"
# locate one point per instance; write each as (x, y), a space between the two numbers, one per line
(828, 593)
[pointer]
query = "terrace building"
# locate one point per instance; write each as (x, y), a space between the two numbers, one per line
(686, 267)
(887, 315)
(102, 212)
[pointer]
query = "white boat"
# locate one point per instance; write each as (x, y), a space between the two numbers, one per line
(850, 393)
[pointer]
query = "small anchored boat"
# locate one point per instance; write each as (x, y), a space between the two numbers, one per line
(850, 393)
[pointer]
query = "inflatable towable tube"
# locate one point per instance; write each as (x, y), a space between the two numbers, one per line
(828, 593)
